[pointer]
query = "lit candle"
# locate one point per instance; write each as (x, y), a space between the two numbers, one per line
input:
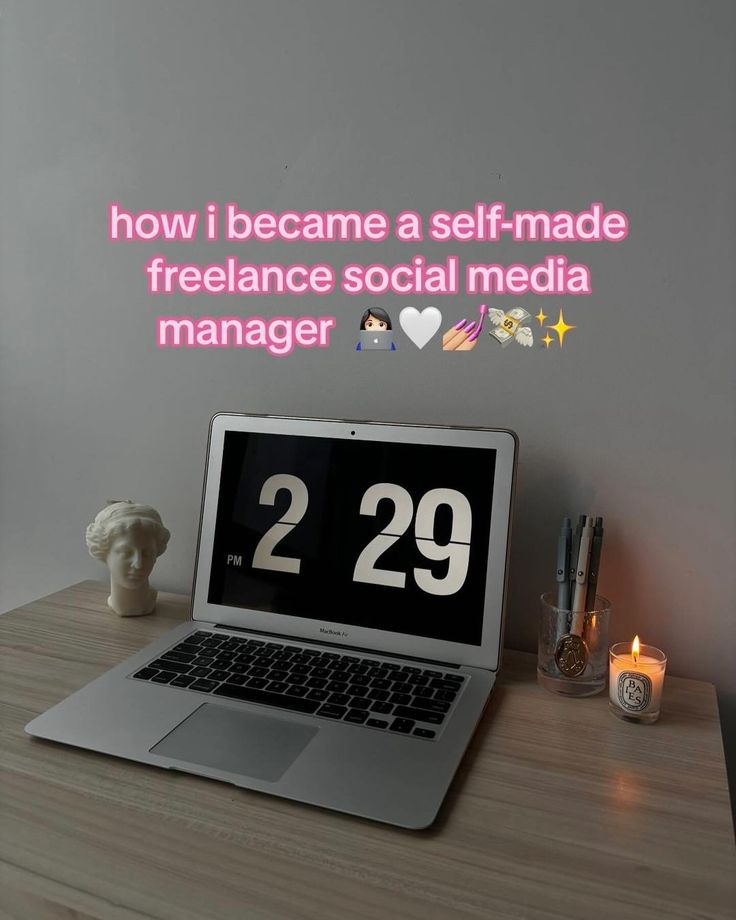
(635, 681)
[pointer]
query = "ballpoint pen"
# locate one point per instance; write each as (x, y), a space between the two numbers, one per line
(581, 578)
(571, 652)
(564, 546)
(574, 550)
(595, 561)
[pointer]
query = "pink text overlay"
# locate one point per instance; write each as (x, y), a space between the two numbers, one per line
(484, 223)
(279, 335)
(246, 272)
(554, 275)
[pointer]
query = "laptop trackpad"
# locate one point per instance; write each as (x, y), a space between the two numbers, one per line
(237, 742)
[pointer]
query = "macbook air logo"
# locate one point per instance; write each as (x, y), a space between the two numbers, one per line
(332, 632)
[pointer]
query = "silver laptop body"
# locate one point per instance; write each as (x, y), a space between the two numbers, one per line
(376, 341)
(374, 548)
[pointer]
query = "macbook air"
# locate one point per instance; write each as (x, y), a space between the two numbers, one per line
(346, 620)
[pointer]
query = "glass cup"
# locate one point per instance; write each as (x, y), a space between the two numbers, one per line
(635, 686)
(572, 652)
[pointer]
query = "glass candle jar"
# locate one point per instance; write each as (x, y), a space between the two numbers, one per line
(572, 651)
(635, 682)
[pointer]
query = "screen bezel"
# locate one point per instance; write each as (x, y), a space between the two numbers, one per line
(486, 655)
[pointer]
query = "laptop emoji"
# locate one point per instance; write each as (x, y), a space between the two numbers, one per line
(376, 341)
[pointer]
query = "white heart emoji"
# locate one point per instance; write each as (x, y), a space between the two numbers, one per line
(420, 327)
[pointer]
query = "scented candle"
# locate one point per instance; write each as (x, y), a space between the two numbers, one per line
(635, 681)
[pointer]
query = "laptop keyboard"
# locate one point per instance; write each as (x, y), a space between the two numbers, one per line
(379, 694)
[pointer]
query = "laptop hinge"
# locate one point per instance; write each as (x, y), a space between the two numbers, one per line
(334, 645)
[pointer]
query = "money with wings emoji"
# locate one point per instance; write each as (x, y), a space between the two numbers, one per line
(508, 326)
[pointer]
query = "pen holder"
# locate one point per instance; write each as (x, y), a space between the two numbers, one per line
(572, 654)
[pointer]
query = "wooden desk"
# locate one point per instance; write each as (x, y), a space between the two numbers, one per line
(559, 810)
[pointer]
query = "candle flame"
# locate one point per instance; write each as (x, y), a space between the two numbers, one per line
(635, 649)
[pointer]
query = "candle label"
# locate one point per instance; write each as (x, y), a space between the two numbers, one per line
(634, 690)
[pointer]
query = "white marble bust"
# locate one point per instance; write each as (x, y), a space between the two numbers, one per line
(128, 538)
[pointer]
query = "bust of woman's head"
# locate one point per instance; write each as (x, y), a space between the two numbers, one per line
(129, 538)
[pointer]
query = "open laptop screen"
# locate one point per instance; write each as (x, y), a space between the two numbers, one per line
(390, 536)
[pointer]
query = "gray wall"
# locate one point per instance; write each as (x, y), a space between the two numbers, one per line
(390, 105)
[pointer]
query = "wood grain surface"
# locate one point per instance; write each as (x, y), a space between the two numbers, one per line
(559, 810)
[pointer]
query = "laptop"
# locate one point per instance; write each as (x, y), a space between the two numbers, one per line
(346, 620)
(379, 341)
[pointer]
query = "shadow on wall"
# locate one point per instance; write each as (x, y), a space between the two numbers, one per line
(540, 505)
(542, 501)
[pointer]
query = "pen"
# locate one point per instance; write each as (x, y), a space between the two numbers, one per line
(581, 578)
(574, 550)
(595, 561)
(564, 547)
